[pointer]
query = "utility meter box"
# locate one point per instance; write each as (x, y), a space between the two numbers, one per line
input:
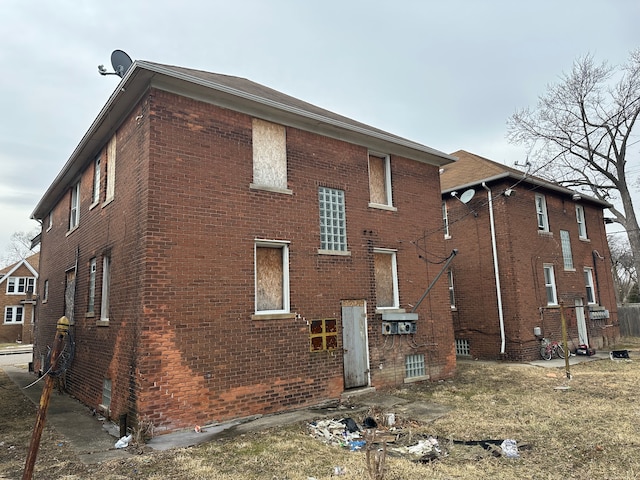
(389, 328)
(406, 327)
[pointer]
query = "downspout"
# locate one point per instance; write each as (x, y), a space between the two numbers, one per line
(496, 270)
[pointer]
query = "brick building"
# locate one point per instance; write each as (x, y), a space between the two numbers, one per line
(225, 250)
(551, 249)
(17, 300)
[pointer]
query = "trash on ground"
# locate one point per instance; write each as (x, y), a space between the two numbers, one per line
(334, 432)
(339, 471)
(124, 441)
(425, 450)
(619, 354)
(510, 448)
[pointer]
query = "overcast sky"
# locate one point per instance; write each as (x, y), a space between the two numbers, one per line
(447, 74)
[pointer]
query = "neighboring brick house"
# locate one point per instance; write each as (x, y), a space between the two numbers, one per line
(226, 250)
(17, 298)
(551, 249)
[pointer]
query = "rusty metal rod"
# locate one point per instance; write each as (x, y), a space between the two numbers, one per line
(61, 331)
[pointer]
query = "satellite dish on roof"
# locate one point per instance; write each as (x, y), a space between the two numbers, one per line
(120, 61)
(467, 195)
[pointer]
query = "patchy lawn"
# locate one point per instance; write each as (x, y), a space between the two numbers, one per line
(590, 430)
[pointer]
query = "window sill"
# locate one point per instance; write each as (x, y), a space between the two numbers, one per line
(545, 233)
(273, 316)
(340, 253)
(90, 315)
(584, 239)
(13, 323)
(72, 230)
(416, 379)
(107, 202)
(447, 237)
(382, 206)
(93, 205)
(102, 323)
(268, 188)
(569, 269)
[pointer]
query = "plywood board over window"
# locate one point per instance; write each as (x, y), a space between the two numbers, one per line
(386, 283)
(377, 183)
(269, 156)
(270, 278)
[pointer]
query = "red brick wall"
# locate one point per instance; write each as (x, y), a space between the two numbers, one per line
(182, 347)
(522, 253)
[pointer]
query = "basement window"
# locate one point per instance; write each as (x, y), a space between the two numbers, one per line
(106, 394)
(462, 348)
(323, 334)
(414, 365)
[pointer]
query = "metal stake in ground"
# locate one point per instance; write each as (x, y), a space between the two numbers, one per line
(563, 320)
(61, 332)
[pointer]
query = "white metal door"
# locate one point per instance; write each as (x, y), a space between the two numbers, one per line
(582, 323)
(354, 344)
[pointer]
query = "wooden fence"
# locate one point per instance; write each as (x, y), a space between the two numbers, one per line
(629, 318)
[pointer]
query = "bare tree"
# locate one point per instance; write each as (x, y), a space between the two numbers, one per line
(19, 247)
(624, 274)
(580, 133)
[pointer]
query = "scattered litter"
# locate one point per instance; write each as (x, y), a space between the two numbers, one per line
(563, 388)
(334, 432)
(339, 471)
(356, 445)
(619, 354)
(425, 450)
(369, 422)
(350, 424)
(390, 419)
(198, 429)
(510, 448)
(124, 441)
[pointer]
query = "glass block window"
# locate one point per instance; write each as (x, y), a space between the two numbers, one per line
(333, 225)
(462, 347)
(106, 392)
(414, 365)
(566, 250)
(323, 334)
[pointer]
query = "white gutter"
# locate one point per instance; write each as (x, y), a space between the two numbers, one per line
(496, 270)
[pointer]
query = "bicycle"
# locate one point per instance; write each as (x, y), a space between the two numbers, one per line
(550, 348)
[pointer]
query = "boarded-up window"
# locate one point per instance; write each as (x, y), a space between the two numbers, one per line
(379, 184)
(111, 169)
(272, 278)
(386, 279)
(269, 155)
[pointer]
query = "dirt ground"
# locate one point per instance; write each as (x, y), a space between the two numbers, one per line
(586, 427)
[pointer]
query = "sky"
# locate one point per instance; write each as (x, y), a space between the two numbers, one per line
(447, 74)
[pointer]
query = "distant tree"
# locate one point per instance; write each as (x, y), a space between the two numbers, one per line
(581, 131)
(624, 273)
(19, 247)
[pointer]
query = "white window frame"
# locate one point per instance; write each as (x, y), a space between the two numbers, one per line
(14, 314)
(452, 292)
(276, 244)
(91, 301)
(106, 288)
(110, 170)
(333, 221)
(95, 199)
(541, 213)
(49, 221)
(388, 201)
(445, 221)
(45, 291)
(589, 286)
(269, 141)
(394, 278)
(550, 284)
(74, 207)
(20, 285)
(580, 219)
(567, 256)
